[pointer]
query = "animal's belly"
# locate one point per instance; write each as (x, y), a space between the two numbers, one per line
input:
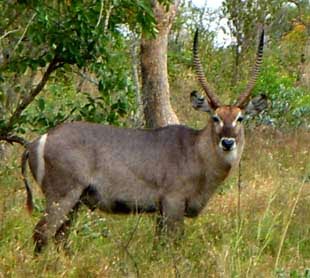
(129, 206)
(122, 200)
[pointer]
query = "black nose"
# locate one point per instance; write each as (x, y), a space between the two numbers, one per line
(227, 144)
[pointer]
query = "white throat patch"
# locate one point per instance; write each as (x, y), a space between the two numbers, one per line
(230, 156)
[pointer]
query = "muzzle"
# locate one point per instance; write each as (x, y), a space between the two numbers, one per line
(228, 144)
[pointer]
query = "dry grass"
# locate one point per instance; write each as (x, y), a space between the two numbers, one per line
(271, 239)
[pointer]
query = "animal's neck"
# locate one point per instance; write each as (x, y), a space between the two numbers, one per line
(217, 163)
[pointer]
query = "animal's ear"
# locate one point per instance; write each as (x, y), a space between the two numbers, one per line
(256, 105)
(199, 102)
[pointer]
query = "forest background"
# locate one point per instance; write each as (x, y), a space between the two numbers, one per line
(81, 60)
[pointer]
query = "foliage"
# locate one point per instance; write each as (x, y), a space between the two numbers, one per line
(283, 66)
(64, 103)
(74, 35)
(216, 59)
(89, 40)
(244, 18)
(290, 105)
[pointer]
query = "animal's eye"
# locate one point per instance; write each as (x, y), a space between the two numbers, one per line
(240, 119)
(216, 119)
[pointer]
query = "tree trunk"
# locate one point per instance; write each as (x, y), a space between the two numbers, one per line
(155, 86)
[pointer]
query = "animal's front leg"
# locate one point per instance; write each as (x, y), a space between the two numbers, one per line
(171, 219)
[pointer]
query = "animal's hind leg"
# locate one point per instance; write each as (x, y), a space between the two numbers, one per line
(39, 235)
(56, 215)
(63, 232)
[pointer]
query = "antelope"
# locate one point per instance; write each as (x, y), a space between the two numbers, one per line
(172, 170)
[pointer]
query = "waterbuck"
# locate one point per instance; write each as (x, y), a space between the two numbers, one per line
(173, 170)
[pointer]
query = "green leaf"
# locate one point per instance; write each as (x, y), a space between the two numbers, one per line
(41, 104)
(101, 86)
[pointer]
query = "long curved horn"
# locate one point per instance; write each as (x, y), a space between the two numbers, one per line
(213, 100)
(244, 97)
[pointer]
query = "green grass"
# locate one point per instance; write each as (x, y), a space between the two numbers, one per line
(270, 239)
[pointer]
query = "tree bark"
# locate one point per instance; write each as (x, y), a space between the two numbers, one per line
(155, 86)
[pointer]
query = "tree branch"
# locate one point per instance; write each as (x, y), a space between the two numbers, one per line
(107, 19)
(87, 77)
(55, 63)
(8, 33)
(24, 33)
(14, 139)
(100, 15)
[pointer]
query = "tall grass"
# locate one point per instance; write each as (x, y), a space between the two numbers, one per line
(271, 239)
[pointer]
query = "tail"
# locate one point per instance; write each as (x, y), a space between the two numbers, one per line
(29, 202)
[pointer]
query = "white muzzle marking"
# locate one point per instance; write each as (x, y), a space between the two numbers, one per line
(40, 159)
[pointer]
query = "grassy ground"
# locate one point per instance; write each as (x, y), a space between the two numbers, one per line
(269, 236)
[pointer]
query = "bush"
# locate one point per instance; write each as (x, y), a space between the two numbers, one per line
(290, 105)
